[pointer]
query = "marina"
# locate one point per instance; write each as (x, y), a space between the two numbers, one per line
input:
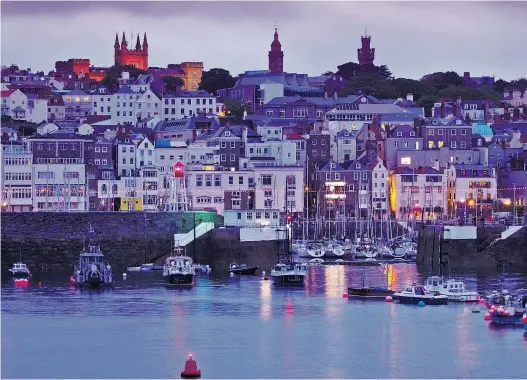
(282, 320)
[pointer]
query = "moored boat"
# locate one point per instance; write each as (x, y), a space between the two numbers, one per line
(455, 291)
(20, 271)
(179, 270)
(243, 269)
(92, 271)
(289, 273)
(414, 294)
(371, 292)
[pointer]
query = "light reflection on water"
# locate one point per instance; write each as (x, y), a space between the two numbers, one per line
(244, 327)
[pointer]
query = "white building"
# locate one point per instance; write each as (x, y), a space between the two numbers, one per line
(17, 178)
(187, 103)
(14, 104)
(126, 157)
(37, 109)
(272, 183)
(101, 99)
(145, 154)
(129, 106)
(59, 187)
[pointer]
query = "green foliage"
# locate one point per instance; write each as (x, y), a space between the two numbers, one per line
(234, 107)
(440, 80)
(172, 83)
(519, 84)
(328, 73)
(427, 102)
(114, 73)
(216, 79)
(351, 69)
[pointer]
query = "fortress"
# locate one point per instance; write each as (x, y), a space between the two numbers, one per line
(137, 57)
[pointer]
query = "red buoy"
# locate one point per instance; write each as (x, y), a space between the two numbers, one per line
(191, 370)
(487, 317)
(344, 295)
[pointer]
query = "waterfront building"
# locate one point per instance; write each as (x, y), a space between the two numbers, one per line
(471, 190)
(418, 193)
(17, 177)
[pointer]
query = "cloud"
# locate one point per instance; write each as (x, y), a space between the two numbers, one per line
(411, 38)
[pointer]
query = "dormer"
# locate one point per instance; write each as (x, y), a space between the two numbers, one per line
(333, 165)
(357, 166)
(227, 134)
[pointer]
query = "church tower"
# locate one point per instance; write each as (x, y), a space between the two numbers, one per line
(137, 57)
(276, 55)
(366, 54)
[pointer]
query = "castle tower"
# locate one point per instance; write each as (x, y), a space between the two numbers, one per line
(276, 55)
(365, 54)
(137, 57)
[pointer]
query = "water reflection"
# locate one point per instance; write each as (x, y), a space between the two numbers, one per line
(289, 310)
(335, 280)
(465, 348)
(265, 299)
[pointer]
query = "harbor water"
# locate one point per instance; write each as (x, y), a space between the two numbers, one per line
(244, 327)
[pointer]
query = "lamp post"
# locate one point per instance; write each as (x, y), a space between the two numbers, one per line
(514, 197)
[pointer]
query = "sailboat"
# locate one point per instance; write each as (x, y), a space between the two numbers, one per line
(286, 271)
(368, 292)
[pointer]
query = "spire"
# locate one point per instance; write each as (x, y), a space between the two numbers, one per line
(276, 55)
(123, 42)
(138, 43)
(365, 30)
(145, 42)
(116, 45)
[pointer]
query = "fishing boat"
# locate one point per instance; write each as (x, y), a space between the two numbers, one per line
(179, 270)
(434, 284)
(20, 271)
(289, 273)
(91, 270)
(414, 294)
(243, 269)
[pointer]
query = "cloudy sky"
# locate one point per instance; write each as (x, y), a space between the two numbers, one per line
(411, 38)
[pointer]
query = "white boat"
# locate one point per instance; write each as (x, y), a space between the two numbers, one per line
(179, 270)
(455, 291)
(414, 294)
(289, 273)
(20, 271)
(314, 250)
(334, 249)
(434, 284)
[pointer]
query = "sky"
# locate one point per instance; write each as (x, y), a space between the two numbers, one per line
(411, 38)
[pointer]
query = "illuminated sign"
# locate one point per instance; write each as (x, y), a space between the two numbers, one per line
(479, 184)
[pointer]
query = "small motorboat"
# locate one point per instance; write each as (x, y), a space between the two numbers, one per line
(289, 273)
(149, 267)
(20, 271)
(414, 294)
(179, 270)
(455, 291)
(243, 269)
(369, 293)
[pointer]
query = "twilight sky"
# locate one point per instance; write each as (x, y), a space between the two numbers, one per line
(411, 38)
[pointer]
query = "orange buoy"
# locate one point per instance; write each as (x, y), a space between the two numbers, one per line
(482, 301)
(191, 370)
(488, 317)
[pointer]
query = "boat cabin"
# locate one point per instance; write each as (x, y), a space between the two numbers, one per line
(454, 286)
(417, 290)
(92, 257)
(19, 267)
(295, 267)
(434, 284)
(178, 261)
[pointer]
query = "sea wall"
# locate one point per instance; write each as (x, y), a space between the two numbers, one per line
(471, 247)
(52, 241)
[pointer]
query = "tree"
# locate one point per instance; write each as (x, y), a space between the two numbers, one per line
(520, 85)
(500, 85)
(234, 107)
(328, 73)
(404, 86)
(216, 79)
(114, 73)
(440, 80)
(351, 69)
(172, 83)
(427, 102)
(370, 84)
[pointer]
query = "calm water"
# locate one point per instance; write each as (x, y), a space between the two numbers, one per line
(247, 328)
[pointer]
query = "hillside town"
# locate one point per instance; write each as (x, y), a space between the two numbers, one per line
(270, 144)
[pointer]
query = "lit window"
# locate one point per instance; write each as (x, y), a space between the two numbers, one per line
(406, 160)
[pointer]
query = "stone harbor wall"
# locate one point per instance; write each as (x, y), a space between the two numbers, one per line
(478, 250)
(53, 241)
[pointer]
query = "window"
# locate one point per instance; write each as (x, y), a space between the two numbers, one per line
(431, 132)
(231, 180)
(351, 187)
(199, 180)
(223, 144)
(240, 180)
(203, 200)
(208, 180)
(453, 144)
(97, 149)
(453, 132)
(463, 144)
(406, 160)
(217, 180)
(232, 157)
(266, 179)
(463, 132)
(396, 144)
(249, 215)
(440, 132)
(236, 203)
(97, 161)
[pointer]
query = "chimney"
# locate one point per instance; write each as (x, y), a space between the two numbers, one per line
(325, 95)
(335, 95)
(466, 75)
(410, 97)
(244, 135)
(442, 114)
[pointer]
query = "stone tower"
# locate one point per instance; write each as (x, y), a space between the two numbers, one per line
(276, 55)
(365, 54)
(137, 57)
